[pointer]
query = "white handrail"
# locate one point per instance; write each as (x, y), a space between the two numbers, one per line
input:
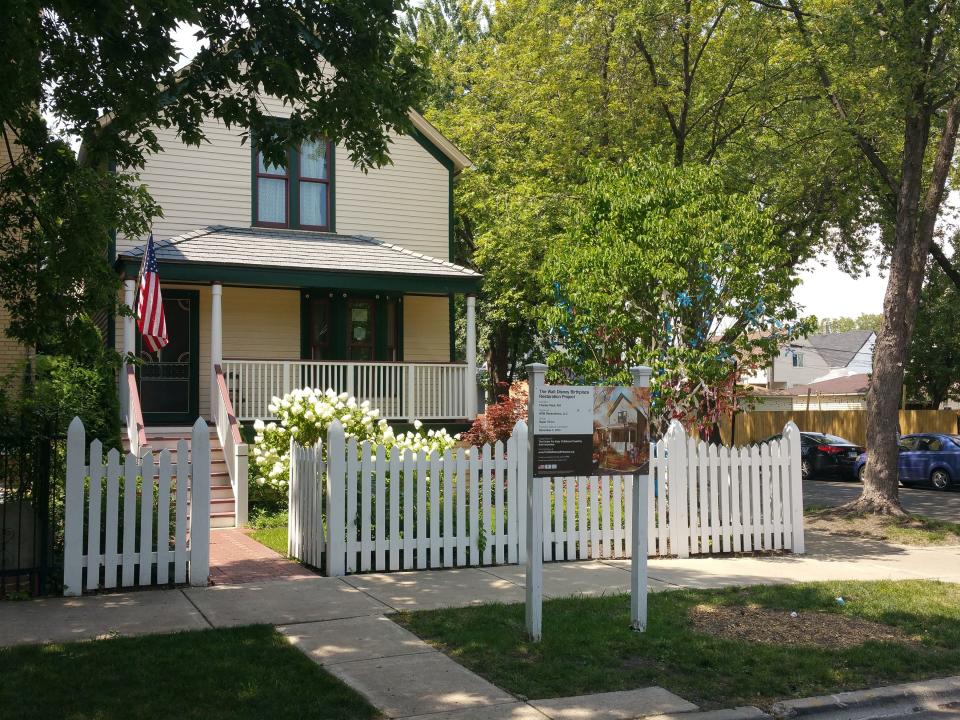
(136, 430)
(234, 449)
(402, 391)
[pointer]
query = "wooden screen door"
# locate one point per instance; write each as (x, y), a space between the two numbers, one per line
(169, 378)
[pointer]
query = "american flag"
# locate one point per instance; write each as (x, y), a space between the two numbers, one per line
(150, 319)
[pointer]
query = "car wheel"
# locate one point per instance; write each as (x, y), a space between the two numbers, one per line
(861, 472)
(940, 479)
(806, 469)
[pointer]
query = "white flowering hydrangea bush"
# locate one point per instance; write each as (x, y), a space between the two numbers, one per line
(304, 415)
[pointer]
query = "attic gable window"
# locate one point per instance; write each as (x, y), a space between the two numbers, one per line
(298, 195)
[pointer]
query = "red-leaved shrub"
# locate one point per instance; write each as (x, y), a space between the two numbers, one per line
(498, 420)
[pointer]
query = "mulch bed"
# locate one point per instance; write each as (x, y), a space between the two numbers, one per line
(753, 623)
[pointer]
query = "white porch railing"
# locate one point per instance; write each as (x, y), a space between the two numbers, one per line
(408, 391)
(234, 449)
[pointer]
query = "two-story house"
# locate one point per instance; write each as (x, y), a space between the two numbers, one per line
(314, 274)
(817, 358)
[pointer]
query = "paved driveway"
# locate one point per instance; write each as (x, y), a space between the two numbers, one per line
(932, 503)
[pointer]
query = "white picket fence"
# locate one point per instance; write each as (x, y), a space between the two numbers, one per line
(355, 508)
(131, 521)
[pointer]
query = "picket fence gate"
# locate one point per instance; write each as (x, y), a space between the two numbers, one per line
(132, 521)
(358, 507)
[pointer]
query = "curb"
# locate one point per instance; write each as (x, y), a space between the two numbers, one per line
(747, 712)
(859, 703)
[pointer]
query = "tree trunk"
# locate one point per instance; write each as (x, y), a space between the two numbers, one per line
(498, 359)
(913, 237)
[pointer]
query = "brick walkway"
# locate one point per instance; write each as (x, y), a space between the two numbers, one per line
(236, 558)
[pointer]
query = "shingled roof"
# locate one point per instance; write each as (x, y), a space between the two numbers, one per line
(299, 252)
(839, 349)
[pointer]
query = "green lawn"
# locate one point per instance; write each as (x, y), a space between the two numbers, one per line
(247, 672)
(587, 646)
(274, 538)
(270, 528)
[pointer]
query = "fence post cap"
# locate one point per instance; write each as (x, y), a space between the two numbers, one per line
(790, 428)
(201, 424)
(536, 368)
(641, 375)
(521, 426)
(75, 424)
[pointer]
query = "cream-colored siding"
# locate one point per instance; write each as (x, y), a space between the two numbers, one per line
(426, 328)
(406, 202)
(261, 324)
(12, 354)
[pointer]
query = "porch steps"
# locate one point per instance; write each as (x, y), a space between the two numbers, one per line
(222, 510)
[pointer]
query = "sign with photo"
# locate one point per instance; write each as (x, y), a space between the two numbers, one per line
(581, 430)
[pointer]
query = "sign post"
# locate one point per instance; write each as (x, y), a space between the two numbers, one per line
(536, 376)
(640, 520)
(577, 431)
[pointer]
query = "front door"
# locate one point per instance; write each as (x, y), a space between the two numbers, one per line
(169, 378)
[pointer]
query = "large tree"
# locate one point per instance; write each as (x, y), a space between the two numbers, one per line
(888, 74)
(555, 85)
(664, 266)
(108, 73)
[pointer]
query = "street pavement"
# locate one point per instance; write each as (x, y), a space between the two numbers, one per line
(942, 505)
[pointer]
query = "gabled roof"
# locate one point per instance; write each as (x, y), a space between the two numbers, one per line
(839, 349)
(298, 257)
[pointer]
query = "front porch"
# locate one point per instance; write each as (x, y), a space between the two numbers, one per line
(315, 310)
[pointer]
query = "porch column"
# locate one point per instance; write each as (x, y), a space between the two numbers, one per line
(471, 379)
(129, 344)
(216, 340)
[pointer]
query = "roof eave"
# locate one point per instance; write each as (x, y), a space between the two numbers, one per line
(267, 276)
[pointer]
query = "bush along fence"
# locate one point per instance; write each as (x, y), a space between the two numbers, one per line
(359, 507)
(131, 521)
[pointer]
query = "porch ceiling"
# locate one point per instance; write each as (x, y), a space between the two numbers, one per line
(295, 258)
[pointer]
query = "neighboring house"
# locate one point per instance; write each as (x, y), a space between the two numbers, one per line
(12, 353)
(848, 392)
(316, 274)
(818, 357)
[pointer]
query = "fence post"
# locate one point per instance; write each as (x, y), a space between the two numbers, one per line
(791, 433)
(677, 490)
(520, 432)
(336, 500)
(199, 503)
(73, 510)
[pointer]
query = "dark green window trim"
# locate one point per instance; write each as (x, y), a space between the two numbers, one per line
(293, 190)
(452, 312)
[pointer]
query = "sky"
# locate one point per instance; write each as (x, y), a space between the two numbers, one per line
(828, 292)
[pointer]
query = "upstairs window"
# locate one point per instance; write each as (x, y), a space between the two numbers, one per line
(798, 359)
(297, 195)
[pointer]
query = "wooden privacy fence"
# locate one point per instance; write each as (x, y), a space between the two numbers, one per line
(131, 521)
(359, 507)
(757, 426)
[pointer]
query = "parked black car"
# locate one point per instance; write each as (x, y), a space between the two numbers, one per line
(822, 454)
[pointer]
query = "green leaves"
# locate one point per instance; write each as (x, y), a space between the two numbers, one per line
(663, 266)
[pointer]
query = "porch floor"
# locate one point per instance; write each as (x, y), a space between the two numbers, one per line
(236, 558)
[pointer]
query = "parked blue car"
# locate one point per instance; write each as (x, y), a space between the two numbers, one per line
(932, 458)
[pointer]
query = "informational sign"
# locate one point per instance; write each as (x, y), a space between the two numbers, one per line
(582, 430)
